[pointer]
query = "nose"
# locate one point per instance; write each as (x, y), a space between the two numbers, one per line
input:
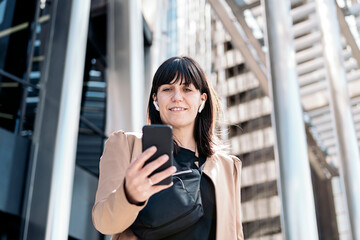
(177, 95)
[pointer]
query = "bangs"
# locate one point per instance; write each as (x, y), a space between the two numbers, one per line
(174, 70)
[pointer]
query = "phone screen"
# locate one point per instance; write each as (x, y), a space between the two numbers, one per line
(160, 136)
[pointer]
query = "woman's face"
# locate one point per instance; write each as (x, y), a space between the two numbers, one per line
(179, 104)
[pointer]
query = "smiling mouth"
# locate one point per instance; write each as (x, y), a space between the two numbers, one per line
(177, 109)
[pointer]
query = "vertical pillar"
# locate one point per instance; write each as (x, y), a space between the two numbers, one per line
(67, 132)
(348, 149)
(125, 81)
(48, 193)
(156, 16)
(295, 188)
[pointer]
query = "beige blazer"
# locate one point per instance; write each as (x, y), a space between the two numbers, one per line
(113, 214)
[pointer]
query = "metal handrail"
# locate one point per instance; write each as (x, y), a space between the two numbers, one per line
(93, 127)
(17, 79)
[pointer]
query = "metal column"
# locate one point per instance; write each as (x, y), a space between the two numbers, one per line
(48, 193)
(156, 16)
(348, 149)
(67, 132)
(295, 187)
(238, 37)
(125, 82)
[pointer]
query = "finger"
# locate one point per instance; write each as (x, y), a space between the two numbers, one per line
(150, 167)
(150, 181)
(141, 159)
(158, 177)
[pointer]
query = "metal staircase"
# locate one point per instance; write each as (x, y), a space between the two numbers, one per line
(20, 83)
(92, 119)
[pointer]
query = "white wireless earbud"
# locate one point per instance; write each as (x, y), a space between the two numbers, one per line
(156, 106)
(201, 106)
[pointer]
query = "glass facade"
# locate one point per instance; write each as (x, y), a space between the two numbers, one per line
(23, 45)
(172, 29)
(24, 32)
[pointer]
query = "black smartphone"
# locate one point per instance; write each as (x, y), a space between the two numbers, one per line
(160, 136)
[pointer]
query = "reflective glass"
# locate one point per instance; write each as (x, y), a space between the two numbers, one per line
(2, 10)
(16, 32)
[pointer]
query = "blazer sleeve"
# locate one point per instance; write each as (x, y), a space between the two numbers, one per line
(112, 213)
(237, 176)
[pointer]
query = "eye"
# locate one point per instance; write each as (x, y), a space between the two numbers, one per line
(165, 89)
(188, 89)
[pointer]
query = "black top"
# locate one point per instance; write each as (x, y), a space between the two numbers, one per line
(205, 228)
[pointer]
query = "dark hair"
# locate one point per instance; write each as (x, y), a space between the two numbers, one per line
(188, 71)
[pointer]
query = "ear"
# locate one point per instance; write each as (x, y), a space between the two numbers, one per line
(203, 100)
(154, 97)
(155, 103)
(203, 97)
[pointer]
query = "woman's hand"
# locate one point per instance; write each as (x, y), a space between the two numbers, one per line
(138, 186)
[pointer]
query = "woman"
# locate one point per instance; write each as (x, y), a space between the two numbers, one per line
(182, 97)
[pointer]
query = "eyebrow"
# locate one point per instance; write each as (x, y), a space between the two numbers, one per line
(183, 84)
